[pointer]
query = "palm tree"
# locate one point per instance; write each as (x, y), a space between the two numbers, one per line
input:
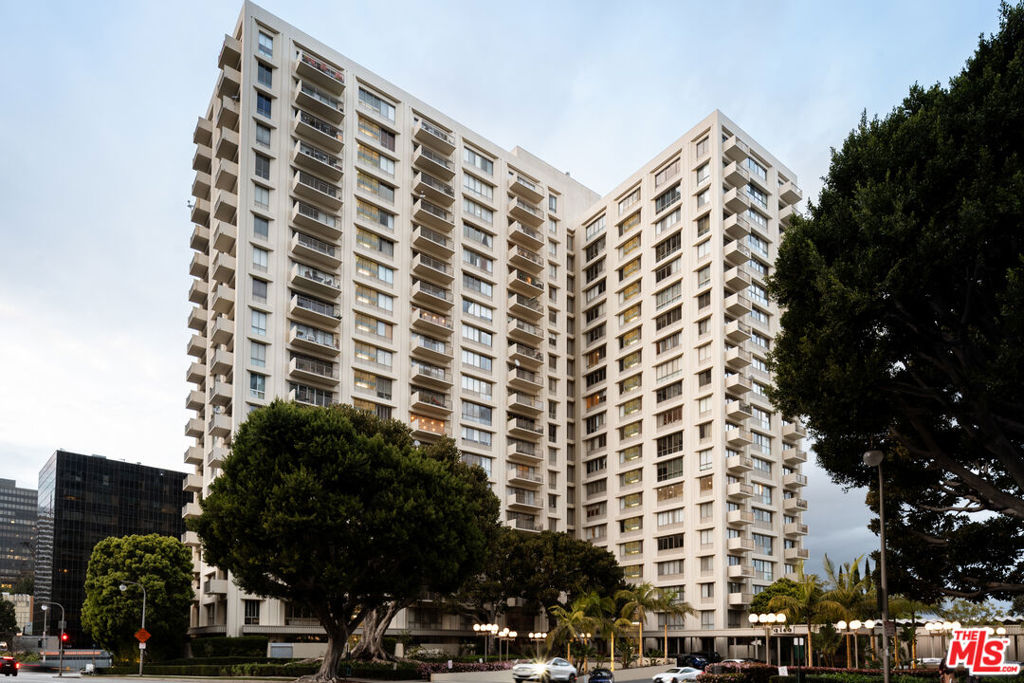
(640, 600)
(851, 590)
(669, 602)
(808, 605)
(570, 623)
(902, 606)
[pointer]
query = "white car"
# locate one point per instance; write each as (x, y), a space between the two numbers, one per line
(679, 673)
(555, 669)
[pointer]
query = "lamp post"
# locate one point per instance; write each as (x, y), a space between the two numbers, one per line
(640, 639)
(941, 628)
(874, 458)
(767, 620)
(536, 638)
(485, 630)
(60, 646)
(142, 645)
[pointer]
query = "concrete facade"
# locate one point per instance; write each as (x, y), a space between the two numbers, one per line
(352, 244)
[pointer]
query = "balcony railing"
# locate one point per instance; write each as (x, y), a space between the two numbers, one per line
(432, 371)
(322, 67)
(528, 255)
(319, 276)
(321, 156)
(436, 158)
(316, 336)
(435, 237)
(524, 326)
(442, 187)
(436, 210)
(527, 351)
(532, 303)
(434, 398)
(431, 344)
(519, 203)
(320, 125)
(316, 367)
(317, 184)
(320, 95)
(436, 132)
(315, 306)
(316, 245)
(434, 290)
(526, 473)
(316, 214)
(435, 264)
(433, 318)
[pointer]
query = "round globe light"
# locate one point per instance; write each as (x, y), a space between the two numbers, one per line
(840, 625)
(855, 624)
(752, 618)
(781, 618)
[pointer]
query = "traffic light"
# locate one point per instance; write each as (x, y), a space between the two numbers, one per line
(63, 637)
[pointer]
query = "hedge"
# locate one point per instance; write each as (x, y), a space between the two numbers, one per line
(223, 646)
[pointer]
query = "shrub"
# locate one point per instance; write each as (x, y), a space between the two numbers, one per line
(222, 646)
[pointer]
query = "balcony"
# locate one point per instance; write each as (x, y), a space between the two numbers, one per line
(309, 186)
(313, 369)
(432, 403)
(741, 599)
(790, 193)
(735, 149)
(228, 113)
(230, 52)
(226, 146)
(215, 587)
(432, 242)
(317, 221)
(793, 456)
(191, 539)
(202, 158)
(524, 428)
(316, 281)
(426, 428)
(316, 160)
(431, 350)
(191, 510)
(524, 524)
(229, 82)
(520, 330)
(794, 480)
(200, 239)
(526, 188)
(525, 306)
(737, 437)
(314, 311)
(225, 205)
(525, 403)
(219, 393)
(192, 483)
(432, 268)
(429, 134)
(320, 72)
(736, 227)
(222, 362)
(318, 131)
(224, 236)
(524, 500)
(431, 214)
(737, 305)
(225, 174)
(426, 185)
(526, 259)
(525, 236)
(738, 464)
(525, 452)
(793, 431)
(223, 267)
(737, 384)
(319, 102)
(194, 454)
(786, 214)
(736, 200)
(196, 373)
(321, 342)
(201, 212)
(736, 254)
(736, 175)
(426, 159)
(432, 375)
(217, 456)
(430, 322)
(203, 133)
(740, 544)
(196, 346)
(222, 330)
(223, 300)
(525, 355)
(313, 249)
(194, 428)
(739, 518)
(198, 292)
(737, 279)
(737, 358)
(199, 266)
(197, 319)
(522, 282)
(219, 424)
(736, 332)
(431, 295)
(523, 476)
(792, 554)
(741, 571)
(527, 213)
(794, 504)
(201, 185)
(739, 490)
(794, 529)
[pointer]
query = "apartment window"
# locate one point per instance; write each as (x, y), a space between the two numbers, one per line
(629, 315)
(756, 168)
(703, 174)
(477, 285)
(258, 322)
(381, 135)
(703, 198)
(629, 200)
(367, 268)
(477, 260)
(477, 210)
(667, 173)
(704, 463)
(669, 317)
(707, 620)
(477, 386)
(632, 524)
(595, 228)
(595, 487)
(670, 416)
(705, 485)
(757, 244)
(373, 186)
(631, 477)
(672, 443)
(667, 343)
(371, 354)
(597, 465)
(703, 326)
(474, 412)
(371, 101)
(258, 354)
(478, 187)
(374, 215)
(262, 166)
(477, 360)
(704, 277)
(264, 74)
(703, 249)
(260, 258)
(593, 533)
(670, 568)
(260, 227)
(261, 196)
(629, 431)
(671, 542)
(263, 105)
(669, 391)
(475, 334)
(378, 328)
(668, 295)
(477, 235)
(630, 407)
(262, 135)
(629, 454)
(669, 246)
(476, 159)
(702, 148)
(703, 301)
(259, 290)
(375, 159)
(630, 384)
(668, 369)
(670, 517)
(668, 222)
(596, 510)
(374, 242)
(758, 196)
(757, 219)
(552, 203)
(368, 382)
(629, 361)
(763, 570)
(763, 544)
(670, 469)
(265, 44)
(666, 199)
(477, 310)
(628, 269)
(252, 607)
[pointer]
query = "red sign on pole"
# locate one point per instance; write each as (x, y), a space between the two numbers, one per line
(142, 635)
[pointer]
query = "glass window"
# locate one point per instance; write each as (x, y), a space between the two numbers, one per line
(262, 135)
(478, 187)
(262, 105)
(476, 159)
(265, 44)
(260, 227)
(259, 322)
(477, 235)
(257, 387)
(257, 354)
(264, 74)
(262, 168)
(261, 196)
(371, 101)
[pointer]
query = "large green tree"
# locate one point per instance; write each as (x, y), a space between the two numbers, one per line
(8, 622)
(339, 511)
(163, 565)
(903, 293)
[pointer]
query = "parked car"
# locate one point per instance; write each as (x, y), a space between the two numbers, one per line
(677, 674)
(8, 666)
(555, 669)
(698, 660)
(601, 675)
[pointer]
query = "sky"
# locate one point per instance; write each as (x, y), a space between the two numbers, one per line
(100, 100)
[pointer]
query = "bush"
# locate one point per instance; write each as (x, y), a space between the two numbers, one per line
(355, 669)
(222, 646)
(424, 669)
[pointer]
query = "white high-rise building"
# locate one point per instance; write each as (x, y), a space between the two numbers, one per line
(601, 358)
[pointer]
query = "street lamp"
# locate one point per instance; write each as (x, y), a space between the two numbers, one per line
(874, 458)
(142, 645)
(485, 630)
(536, 638)
(60, 646)
(768, 620)
(941, 628)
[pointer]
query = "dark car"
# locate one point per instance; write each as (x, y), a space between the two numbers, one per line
(9, 667)
(698, 660)
(601, 675)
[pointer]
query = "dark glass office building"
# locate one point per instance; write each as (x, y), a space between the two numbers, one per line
(17, 533)
(83, 499)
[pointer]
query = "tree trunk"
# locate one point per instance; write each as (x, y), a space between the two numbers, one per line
(810, 657)
(337, 636)
(375, 625)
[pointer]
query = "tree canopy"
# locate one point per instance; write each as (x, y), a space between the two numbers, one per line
(903, 299)
(339, 511)
(160, 563)
(8, 622)
(781, 586)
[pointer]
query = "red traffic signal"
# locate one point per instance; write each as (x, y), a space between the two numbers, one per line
(64, 637)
